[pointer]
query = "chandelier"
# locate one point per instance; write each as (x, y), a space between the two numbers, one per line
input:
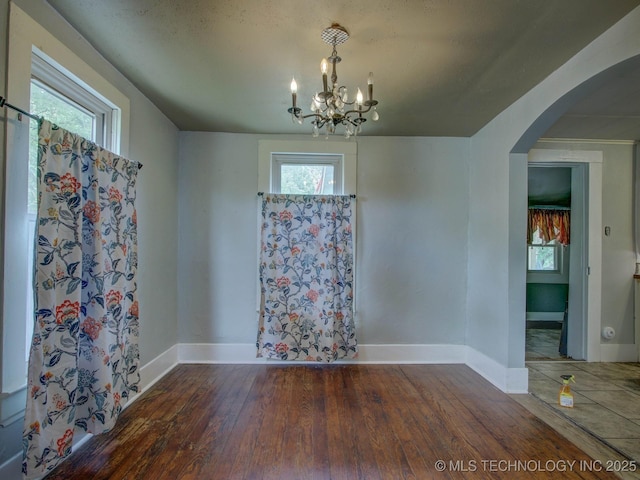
(331, 107)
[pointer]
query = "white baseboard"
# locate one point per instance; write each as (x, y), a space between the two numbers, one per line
(509, 380)
(218, 353)
(157, 368)
(246, 353)
(411, 354)
(12, 468)
(616, 352)
(546, 316)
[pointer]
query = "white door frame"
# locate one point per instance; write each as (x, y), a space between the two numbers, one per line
(636, 221)
(593, 161)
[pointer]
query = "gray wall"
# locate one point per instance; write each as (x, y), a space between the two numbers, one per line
(547, 297)
(154, 142)
(411, 238)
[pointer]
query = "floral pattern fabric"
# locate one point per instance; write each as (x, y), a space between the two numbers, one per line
(306, 278)
(84, 358)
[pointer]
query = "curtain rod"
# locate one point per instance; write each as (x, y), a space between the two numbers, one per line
(260, 194)
(5, 104)
(548, 207)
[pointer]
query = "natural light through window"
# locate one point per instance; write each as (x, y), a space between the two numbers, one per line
(306, 179)
(307, 174)
(64, 112)
(542, 257)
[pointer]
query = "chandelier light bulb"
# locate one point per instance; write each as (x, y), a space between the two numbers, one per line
(370, 79)
(294, 86)
(359, 98)
(324, 66)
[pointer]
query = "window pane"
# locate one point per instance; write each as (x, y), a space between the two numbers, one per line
(306, 179)
(542, 257)
(67, 114)
(63, 112)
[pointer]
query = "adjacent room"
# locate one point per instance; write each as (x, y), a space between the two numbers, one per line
(260, 239)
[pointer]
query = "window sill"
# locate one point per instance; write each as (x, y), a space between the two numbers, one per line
(12, 406)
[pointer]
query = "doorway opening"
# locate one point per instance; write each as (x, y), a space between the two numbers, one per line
(548, 261)
(581, 258)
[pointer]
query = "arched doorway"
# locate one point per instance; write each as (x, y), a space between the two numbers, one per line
(522, 149)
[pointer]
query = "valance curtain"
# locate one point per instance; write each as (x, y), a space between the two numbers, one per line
(84, 356)
(306, 278)
(551, 225)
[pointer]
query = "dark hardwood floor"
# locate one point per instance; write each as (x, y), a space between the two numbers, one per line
(326, 422)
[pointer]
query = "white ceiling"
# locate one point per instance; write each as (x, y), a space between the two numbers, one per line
(442, 67)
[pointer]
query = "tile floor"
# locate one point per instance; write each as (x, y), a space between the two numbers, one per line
(606, 395)
(542, 344)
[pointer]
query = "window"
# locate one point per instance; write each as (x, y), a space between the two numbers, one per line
(63, 102)
(307, 167)
(543, 257)
(306, 174)
(53, 82)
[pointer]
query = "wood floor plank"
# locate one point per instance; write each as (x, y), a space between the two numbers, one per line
(223, 415)
(242, 442)
(374, 403)
(416, 441)
(427, 408)
(339, 424)
(270, 441)
(324, 422)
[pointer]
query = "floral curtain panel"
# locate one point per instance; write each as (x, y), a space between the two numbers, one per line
(306, 278)
(551, 225)
(84, 356)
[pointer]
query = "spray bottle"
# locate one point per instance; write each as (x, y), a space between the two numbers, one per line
(565, 397)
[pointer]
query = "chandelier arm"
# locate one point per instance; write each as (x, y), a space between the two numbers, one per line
(355, 124)
(358, 111)
(317, 115)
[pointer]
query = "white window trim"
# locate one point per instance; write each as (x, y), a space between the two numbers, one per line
(25, 37)
(557, 260)
(51, 76)
(348, 150)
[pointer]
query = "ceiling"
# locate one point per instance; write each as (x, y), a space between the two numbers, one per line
(442, 67)
(549, 186)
